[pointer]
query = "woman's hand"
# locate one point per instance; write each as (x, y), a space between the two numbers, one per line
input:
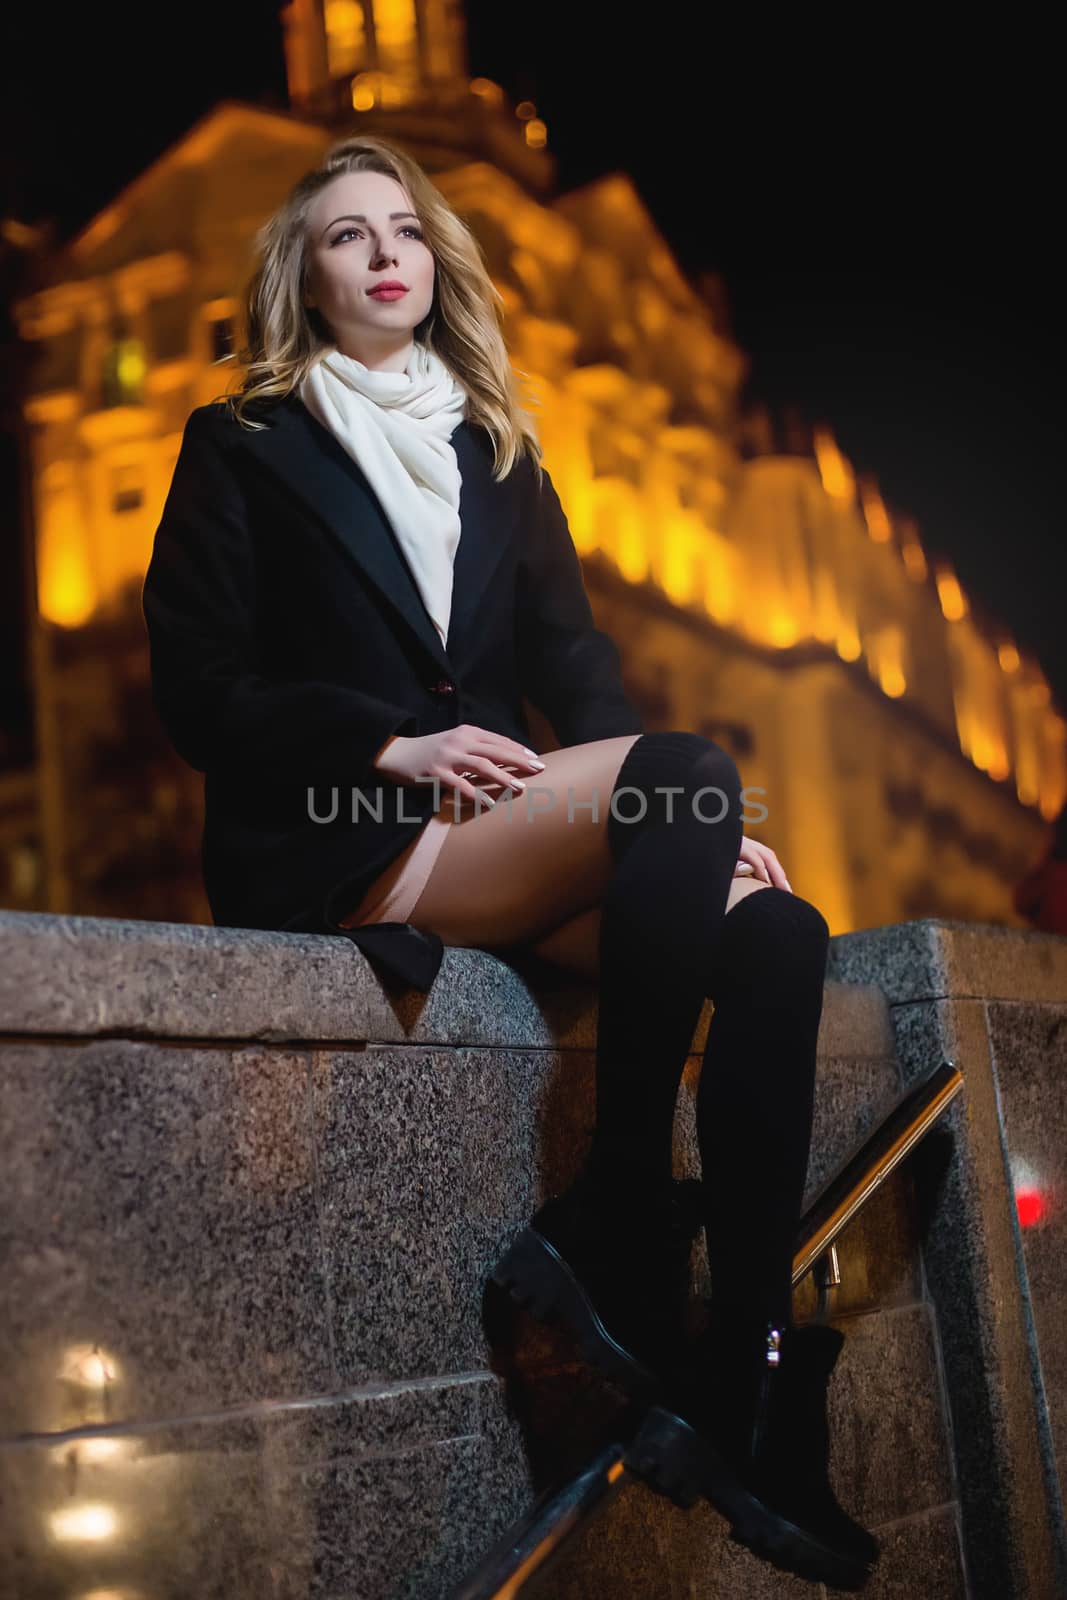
(763, 864)
(453, 756)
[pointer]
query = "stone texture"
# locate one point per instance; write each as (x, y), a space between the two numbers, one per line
(379, 1494)
(971, 1256)
(959, 992)
(261, 1197)
(432, 1160)
(644, 1546)
(852, 1095)
(185, 981)
(921, 1556)
(929, 959)
(1028, 1045)
(888, 1459)
(161, 1208)
(429, 1165)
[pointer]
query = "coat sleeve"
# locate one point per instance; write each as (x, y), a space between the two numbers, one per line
(219, 709)
(568, 668)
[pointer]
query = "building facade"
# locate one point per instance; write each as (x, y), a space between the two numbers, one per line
(902, 756)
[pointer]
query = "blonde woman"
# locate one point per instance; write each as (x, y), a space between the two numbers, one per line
(361, 571)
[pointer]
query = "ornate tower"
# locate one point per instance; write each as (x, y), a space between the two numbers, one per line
(400, 67)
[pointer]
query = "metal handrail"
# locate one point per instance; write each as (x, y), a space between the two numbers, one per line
(538, 1536)
(531, 1542)
(870, 1163)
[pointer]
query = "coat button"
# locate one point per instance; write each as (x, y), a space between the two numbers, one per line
(443, 686)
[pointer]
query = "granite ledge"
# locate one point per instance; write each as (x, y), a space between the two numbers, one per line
(938, 959)
(89, 977)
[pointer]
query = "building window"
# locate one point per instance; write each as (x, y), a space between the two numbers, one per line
(346, 39)
(127, 489)
(122, 381)
(222, 334)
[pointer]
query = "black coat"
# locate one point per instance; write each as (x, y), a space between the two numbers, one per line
(288, 641)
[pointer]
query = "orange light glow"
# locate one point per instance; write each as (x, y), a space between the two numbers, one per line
(89, 1523)
(485, 89)
(345, 35)
(848, 644)
(875, 514)
(364, 91)
(953, 601)
(838, 479)
(782, 630)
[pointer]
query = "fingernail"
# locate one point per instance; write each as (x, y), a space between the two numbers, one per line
(529, 752)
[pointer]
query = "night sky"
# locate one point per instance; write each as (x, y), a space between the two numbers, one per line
(882, 209)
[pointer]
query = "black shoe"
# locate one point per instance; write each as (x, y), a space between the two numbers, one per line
(611, 1263)
(746, 1427)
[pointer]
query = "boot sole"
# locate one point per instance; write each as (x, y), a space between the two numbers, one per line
(677, 1461)
(538, 1279)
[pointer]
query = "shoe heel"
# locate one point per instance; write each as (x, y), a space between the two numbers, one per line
(673, 1458)
(676, 1461)
(668, 1455)
(540, 1281)
(529, 1275)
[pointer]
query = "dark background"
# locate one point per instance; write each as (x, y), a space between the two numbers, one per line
(881, 205)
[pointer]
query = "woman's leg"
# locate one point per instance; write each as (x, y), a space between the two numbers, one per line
(755, 1100)
(662, 872)
(675, 852)
(575, 944)
(536, 884)
(510, 874)
(612, 1253)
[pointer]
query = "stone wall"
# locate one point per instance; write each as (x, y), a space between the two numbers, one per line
(251, 1200)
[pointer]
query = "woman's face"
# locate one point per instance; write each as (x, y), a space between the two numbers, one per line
(356, 241)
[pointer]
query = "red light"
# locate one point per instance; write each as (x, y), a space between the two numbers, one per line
(1029, 1206)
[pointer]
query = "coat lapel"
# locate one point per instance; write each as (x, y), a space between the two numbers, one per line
(317, 468)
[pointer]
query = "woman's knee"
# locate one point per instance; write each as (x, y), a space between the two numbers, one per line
(673, 776)
(678, 762)
(776, 930)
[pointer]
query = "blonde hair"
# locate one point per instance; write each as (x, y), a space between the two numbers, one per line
(464, 325)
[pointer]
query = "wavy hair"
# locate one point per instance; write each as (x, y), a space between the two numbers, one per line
(463, 326)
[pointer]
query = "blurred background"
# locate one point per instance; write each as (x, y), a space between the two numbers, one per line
(788, 302)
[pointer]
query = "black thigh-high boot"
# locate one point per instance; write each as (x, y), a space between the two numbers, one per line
(610, 1256)
(674, 831)
(746, 1421)
(756, 1096)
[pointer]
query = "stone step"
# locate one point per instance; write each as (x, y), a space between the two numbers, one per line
(397, 1489)
(250, 1209)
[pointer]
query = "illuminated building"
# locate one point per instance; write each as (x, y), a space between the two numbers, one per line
(906, 751)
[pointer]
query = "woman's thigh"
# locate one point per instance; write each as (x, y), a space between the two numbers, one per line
(575, 944)
(510, 872)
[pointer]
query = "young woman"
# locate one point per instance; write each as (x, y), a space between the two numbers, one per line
(361, 570)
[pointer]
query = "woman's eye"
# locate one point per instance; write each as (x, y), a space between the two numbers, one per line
(408, 228)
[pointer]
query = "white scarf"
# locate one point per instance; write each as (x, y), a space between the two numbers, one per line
(397, 427)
